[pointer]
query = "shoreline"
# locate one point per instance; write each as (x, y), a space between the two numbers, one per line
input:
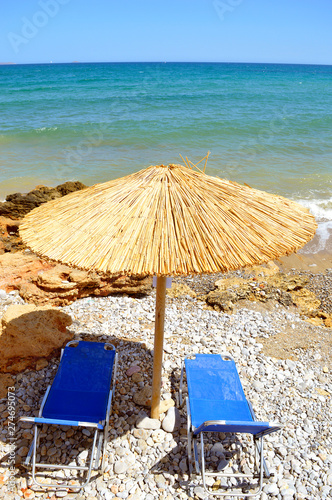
(314, 262)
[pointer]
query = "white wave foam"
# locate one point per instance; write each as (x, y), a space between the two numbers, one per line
(48, 129)
(322, 241)
(321, 209)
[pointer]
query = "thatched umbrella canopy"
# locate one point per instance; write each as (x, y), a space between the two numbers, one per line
(164, 221)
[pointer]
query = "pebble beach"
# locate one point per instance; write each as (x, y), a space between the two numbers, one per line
(146, 459)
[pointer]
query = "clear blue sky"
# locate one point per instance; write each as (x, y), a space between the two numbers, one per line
(281, 31)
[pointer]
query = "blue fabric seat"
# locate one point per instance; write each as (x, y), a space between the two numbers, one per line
(216, 403)
(81, 386)
(80, 395)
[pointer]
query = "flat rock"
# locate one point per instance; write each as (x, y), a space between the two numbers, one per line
(29, 333)
(41, 282)
(144, 422)
(180, 290)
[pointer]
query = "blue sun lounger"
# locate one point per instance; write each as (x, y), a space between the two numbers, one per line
(216, 403)
(80, 396)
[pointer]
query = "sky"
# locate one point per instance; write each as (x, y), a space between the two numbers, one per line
(268, 31)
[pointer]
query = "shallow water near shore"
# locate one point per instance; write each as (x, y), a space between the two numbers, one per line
(268, 125)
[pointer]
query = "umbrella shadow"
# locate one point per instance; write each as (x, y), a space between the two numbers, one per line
(175, 462)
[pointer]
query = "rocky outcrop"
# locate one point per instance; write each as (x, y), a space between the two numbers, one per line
(288, 290)
(41, 282)
(180, 290)
(18, 268)
(276, 287)
(17, 205)
(10, 240)
(29, 333)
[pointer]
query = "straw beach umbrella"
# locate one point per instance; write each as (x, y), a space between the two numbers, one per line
(166, 221)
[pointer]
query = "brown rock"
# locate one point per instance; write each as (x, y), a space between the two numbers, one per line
(6, 381)
(288, 290)
(63, 285)
(306, 301)
(8, 226)
(18, 268)
(30, 333)
(61, 279)
(10, 240)
(41, 363)
(315, 321)
(137, 378)
(42, 282)
(268, 269)
(143, 397)
(222, 300)
(165, 405)
(17, 205)
(180, 290)
(328, 321)
(288, 283)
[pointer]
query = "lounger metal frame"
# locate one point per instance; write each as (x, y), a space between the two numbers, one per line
(100, 434)
(193, 435)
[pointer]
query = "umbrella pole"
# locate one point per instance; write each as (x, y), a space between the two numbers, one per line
(158, 345)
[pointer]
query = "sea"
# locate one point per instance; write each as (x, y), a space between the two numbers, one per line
(267, 125)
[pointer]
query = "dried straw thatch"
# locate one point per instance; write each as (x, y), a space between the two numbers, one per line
(167, 220)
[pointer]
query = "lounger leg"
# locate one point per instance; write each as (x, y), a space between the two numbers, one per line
(189, 438)
(108, 413)
(189, 451)
(259, 465)
(103, 462)
(100, 442)
(34, 454)
(181, 385)
(28, 457)
(203, 461)
(262, 461)
(55, 485)
(91, 459)
(196, 459)
(258, 444)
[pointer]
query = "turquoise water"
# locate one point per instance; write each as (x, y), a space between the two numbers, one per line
(267, 125)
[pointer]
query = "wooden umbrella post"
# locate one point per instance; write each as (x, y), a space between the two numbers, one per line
(158, 345)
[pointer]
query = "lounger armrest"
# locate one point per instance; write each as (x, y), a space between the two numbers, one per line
(41, 420)
(258, 429)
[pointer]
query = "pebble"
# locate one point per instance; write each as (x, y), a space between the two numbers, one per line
(120, 467)
(172, 421)
(132, 370)
(143, 397)
(165, 405)
(146, 458)
(145, 422)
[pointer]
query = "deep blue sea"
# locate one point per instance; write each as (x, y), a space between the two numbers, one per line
(269, 125)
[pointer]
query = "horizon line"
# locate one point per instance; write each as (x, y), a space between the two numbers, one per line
(162, 62)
